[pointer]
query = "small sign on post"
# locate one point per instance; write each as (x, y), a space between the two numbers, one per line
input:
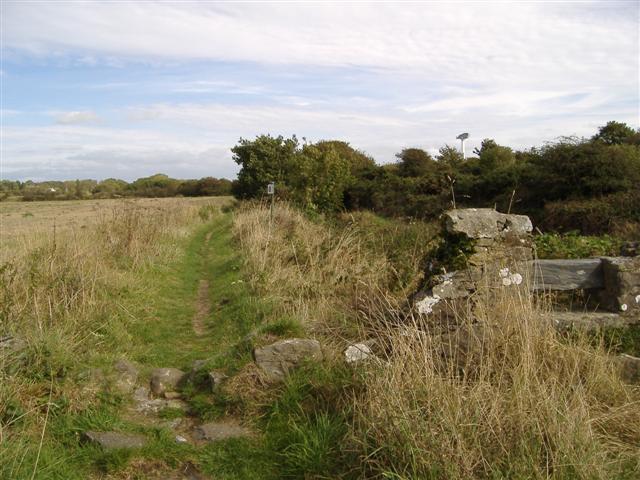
(271, 190)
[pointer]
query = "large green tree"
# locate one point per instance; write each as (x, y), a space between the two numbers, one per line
(320, 178)
(415, 162)
(614, 133)
(263, 160)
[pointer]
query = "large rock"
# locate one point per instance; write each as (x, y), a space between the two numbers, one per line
(126, 376)
(216, 379)
(621, 285)
(166, 380)
(216, 431)
(277, 359)
(629, 368)
(148, 406)
(358, 352)
(115, 440)
(485, 223)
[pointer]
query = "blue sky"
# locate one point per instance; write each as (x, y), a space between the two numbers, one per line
(128, 89)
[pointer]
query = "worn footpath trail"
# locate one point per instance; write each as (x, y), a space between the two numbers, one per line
(201, 310)
(189, 315)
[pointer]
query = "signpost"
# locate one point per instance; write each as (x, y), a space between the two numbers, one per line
(271, 190)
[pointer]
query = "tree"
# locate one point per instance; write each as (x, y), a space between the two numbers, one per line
(320, 178)
(207, 186)
(415, 162)
(158, 185)
(109, 187)
(358, 161)
(450, 156)
(486, 144)
(614, 133)
(263, 160)
(583, 169)
(494, 156)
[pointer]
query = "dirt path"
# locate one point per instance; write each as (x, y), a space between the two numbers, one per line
(203, 307)
(203, 302)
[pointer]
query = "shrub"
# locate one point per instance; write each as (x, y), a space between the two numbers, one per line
(593, 216)
(573, 245)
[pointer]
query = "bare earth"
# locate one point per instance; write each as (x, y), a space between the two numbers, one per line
(203, 307)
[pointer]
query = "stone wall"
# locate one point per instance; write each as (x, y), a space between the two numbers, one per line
(501, 255)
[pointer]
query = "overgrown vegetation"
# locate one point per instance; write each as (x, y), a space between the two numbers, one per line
(519, 402)
(71, 305)
(573, 245)
(589, 185)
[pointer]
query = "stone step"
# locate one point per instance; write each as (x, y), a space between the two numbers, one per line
(589, 320)
(115, 440)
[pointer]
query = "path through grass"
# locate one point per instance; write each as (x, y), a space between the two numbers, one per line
(157, 314)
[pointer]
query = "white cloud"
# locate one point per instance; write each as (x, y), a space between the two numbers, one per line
(75, 117)
(383, 76)
(64, 151)
(524, 43)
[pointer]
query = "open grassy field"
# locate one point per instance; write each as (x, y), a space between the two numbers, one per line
(197, 286)
(29, 219)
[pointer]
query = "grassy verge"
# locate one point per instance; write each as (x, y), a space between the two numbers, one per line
(505, 397)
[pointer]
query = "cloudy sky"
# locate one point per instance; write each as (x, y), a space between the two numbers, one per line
(128, 89)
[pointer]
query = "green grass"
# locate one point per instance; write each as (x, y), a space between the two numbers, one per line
(300, 433)
(167, 338)
(574, 245)
(153, 327)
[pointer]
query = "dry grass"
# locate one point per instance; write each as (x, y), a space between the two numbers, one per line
(59, 296)
(30, 221)
(308, 272)
(503, 397)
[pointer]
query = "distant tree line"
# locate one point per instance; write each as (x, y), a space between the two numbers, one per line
(158, 185)
(587, 184)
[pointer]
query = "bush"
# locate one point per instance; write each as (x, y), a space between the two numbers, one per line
(573, 245)
(593, 216)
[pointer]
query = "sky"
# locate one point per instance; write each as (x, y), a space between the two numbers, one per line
(129, 89)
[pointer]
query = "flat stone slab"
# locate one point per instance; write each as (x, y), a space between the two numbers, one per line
(588, 320)
(166, 380)
(115, 440)
(570, 274)
(216, 431)
(277, 359)
(480, 223)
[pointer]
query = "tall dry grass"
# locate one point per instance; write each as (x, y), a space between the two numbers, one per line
(60, 302)
(309, 272)
(503, 397)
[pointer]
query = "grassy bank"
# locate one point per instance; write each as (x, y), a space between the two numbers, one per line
(518, 402)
